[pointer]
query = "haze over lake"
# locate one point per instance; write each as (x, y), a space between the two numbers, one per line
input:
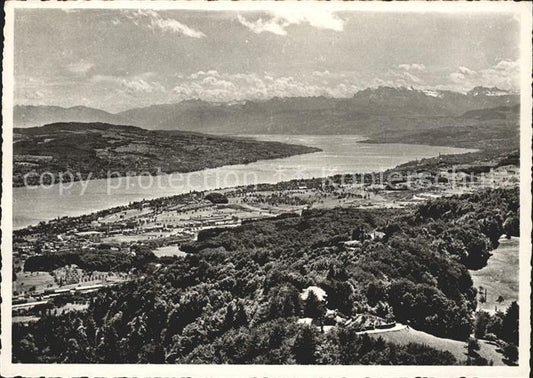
(340, 154)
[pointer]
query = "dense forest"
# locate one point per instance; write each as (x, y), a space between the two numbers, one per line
(103, 260)
(236, 297)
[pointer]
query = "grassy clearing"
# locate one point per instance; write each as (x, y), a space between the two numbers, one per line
(500, 276)
(40, 280)
(169, 250)
(457, 348)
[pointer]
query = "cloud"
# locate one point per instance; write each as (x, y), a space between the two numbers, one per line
(507, 65)
(155, 21)
(216, 86)
(124, 90)
(402, 76)
(466, 71)
(132, 85)
(199, 74)
(412, 67)
(274, 25)
(457, 77)
(36, 95)
(321, 73)
(413, 78)
(80, 67)
(504, 75)
(277, 21)
(38, 88)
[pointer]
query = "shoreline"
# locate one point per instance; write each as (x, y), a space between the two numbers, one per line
(399, 167)
(81, 177)
(169, 181)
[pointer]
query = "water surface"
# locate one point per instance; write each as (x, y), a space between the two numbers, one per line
(340, 154)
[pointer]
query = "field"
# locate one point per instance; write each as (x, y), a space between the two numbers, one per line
(38, 280)
(499, 277)
(169, 250)
(457, 348)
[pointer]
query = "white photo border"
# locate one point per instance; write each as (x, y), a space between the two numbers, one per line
(521, 10)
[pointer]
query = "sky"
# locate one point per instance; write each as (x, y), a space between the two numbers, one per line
(114, 59)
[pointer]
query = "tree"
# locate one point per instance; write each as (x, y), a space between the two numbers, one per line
(284, 302)
(241, 319)
(493, 229)
(26, 350)
(511, 226)
(304, 347)
(482, 320)
(359, 233)
(74, 352)
(510, 352)
(473, 347)
(228, 319)
(216, 198)
(510, 324)
(108, 349)
(90, 331)
(152, 353)
(339, 295)
(313, 307)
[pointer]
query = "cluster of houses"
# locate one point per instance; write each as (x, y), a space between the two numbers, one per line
(71, 274)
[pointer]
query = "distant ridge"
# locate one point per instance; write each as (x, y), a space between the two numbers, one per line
(29, 115)
(368, 111)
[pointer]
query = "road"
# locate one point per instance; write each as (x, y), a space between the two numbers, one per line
(397, 327)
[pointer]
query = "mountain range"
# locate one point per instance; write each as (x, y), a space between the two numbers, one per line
(369, 111)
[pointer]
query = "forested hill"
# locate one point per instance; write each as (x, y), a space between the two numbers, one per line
(236, 297)
(91, 150)
(492, 129)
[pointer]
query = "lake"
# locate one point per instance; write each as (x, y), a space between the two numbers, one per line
(340, 154)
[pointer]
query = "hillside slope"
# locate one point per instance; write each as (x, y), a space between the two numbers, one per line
(495, 128)
(456, 348)
(92, 150)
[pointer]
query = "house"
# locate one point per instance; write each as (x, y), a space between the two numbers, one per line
(350, 245)
(375, 187)
(377, 235)
(320, 293)
(306, 321)
(90, 235)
